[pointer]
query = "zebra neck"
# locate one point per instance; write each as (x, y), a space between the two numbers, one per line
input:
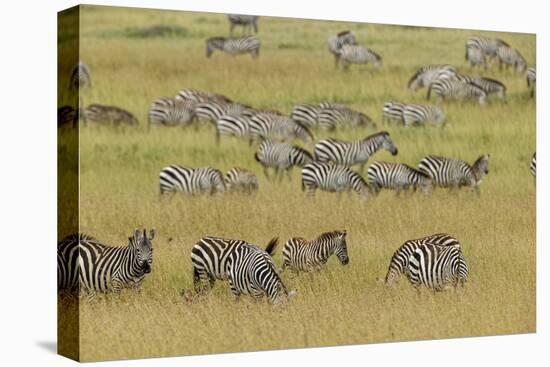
(130, 263)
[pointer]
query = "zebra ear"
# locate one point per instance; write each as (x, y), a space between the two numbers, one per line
(137, 233)
(344, 233)
(152, 234)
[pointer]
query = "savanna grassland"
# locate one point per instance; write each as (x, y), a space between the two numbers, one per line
(119, 189)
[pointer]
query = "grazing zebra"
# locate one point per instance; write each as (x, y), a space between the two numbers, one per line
(232, 125)
(212, 111)
(532, 81)
(393, 111)
(457, 89)
(201, 96)
(508, 56)
(234, 46)
(533, 165)
(300, 254)
(397, 176)
(331, 117)
(336, 42)
(267, 125)
(306, 114)
(489, 86)
(399, 263)
(437, 267)
(245, 21)
(108, 114)
(166, 111)
(419, 114)
(87, 264)
(191, 180)
(80, 76)
(455, 173)
(240, 179)
(281, 156)
(475, 56)
(487, 46)
(349, 153)
(332, 178)
(428, 74)
(66, 115)
(356, 54)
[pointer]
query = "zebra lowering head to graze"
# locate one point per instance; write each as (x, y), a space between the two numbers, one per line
(508, 56)
(393, 111)
(531, 81)
(349, 153)
(283, 128)
(232, 125)
(420, 114)
(234, 46)
(212, 111)
(533, 165)
(356, 54)
(397, 176)
(332, 178)
(336, 42)
(455, 173)
(428, 74)
(80, 77)
(399, 263)
(332, 117)
(192, 181)
(457, 89)
(281, 156)
(475, 56)
(202, 96)
(306, 114)
(241, 180)
(103, 114)
(487, 46)
(490, 86)
(245, 21)
(166, 111)
(87, 264)
(300, 254)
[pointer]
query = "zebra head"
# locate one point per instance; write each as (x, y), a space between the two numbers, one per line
(212, 44)
(363, 120)
(480, 167)
(143, 248)
(416, 81)
(387, 144)
(341, 248)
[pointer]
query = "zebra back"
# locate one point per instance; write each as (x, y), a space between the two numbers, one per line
(109, 114)
(166, 111)
(240, 179)
(303, 255)
(332, 178)
(191, 180)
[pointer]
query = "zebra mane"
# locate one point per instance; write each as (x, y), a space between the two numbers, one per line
(344, 33)
(414, 77)
(380, 133)
(328, 235)
(493, 81)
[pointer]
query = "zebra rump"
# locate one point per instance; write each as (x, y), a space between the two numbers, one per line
(191, 180)
(240, 179)
(108, 114)
(397, 176)
(166, 111)
(332, 178)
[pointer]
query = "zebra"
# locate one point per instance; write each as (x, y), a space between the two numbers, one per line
(201, 96)
(212, 110)
(67, 115)
(508, 56)
(455, 173)
(475, 56)
(267, 125)
(245, 21)
(234, 46)
(533, 165)
(349, 153)
(356, 54)
(457, 89)
(531, 81)
(232, 125)
(487, 46)
(300, 254)
(240, 179)
(399, 263)
(332, 178)
(108, 114)
(191, 180)
(428, 74)
(80, 76)
(397, 176)
(88, 265)
(437, 267)
(393, 111)
(166, 111)
(336, 42)
(419, 114)
(489, 86)
(305, 114)
(281, 156)
(331, 117)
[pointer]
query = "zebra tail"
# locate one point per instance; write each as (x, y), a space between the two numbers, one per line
(428, 96)
(257, 158)
(270, 248)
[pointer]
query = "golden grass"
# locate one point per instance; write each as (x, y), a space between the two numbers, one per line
(119, 190)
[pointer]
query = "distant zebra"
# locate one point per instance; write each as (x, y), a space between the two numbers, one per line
(305, 114)
(300, 254)
(533, 165)
(87, 264)
(455, 173)
(349, 153)
(393, 111)
(399, 263)
(356, 54)
(332, 117)
(336, 42)
(267, 125)
(475, 56)
(212, 111)
(332, 178)
(201, 96)
(232, 125)
(508, 56)
(489, 86)
(234, 46)
(419, 114)
(429, 74)
(108, 114)
(166, 111)
(397, 176)
(487, 46)
(245, 21)
(241, 180)
(281, 156)
(457, 89)
(191, 180)
(531, 81)
(80, 76)
(67, 115)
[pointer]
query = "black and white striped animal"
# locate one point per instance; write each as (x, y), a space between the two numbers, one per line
(80, 77)
(281, 156)
(283, 128)
(421, 114)
(349, 153)
(393, 111)
(212, 111)
(193, 181)
(308, 114)
(397, 176)
(202, 96)
(300, 254)
(475, 56)
(487, 47)
(455, 173)
(241, 180)
(336, 42)
(247, 22)
(448, 89)
(533, 165)
(508, 56)
(89, 265)
(103, 114)
(356, 54)
(489, 86)
(166, 111)
(234, 46)
(332, 178)
(232, 125)
(332, 117)
(429, 74)
(531, 81)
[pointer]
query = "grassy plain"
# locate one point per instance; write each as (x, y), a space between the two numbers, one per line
(341, 305)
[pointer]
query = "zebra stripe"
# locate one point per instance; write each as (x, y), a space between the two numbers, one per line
(336, 42)
(490, 86)
(244, 21)
(420, 114)
(332, 117)
(201, 96)
(267, 125)
(305, 114)
(457, 89)
(356, 54)
(281, 156)
(428, 74)
(232, 125)
(533, 165)
(475, 56)
(108, 115)
(332, 178)
(80, 76)
(488, 46)
(349, 153)
(234, 46)
(240, 179)
(397, 176)
(393, 111)
(191, 180)
(213, 111)
(531, 81)
(300, 254)
(508, 56)
(455, 173)
(166, 111)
